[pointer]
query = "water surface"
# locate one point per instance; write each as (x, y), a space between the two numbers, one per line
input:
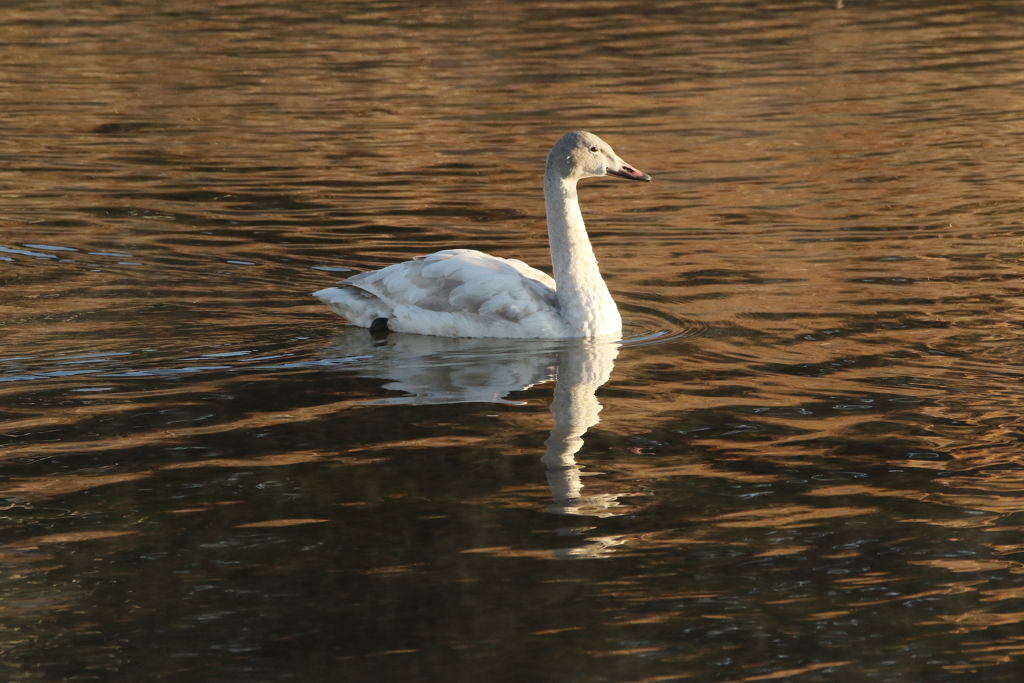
(803, 463)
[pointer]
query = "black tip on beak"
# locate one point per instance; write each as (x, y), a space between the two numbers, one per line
(629, 173)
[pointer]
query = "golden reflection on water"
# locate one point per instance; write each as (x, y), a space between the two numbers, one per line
(809, 441)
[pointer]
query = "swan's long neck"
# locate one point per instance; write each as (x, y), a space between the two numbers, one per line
(584, 303)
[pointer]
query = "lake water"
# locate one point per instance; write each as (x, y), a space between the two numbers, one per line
(804, 463)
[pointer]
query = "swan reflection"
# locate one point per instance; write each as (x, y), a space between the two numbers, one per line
(437, 370)
(583, 367)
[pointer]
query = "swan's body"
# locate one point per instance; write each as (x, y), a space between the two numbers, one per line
(466, 293)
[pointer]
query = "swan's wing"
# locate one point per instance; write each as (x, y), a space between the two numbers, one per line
(463, 281)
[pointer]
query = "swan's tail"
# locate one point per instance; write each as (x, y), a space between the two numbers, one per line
(358, 306)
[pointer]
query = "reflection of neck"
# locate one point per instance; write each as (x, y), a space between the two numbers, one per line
(582, 368)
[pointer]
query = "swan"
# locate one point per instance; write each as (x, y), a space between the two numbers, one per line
(467, 293)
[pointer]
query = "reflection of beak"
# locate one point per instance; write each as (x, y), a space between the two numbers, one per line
(628, 172)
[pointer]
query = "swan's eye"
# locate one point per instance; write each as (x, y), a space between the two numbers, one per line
(594, 148)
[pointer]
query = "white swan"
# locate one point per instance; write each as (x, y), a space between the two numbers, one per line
(467, 293)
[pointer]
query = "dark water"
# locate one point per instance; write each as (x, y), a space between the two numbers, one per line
(808, 464)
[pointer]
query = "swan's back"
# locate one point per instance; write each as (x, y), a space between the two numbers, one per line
(453, 293)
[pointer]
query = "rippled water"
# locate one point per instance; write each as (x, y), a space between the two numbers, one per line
(803, 464)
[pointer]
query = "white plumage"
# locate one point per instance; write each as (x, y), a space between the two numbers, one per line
(452, 293)
(467, 293)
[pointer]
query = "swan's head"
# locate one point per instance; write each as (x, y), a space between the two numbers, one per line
(584, 155)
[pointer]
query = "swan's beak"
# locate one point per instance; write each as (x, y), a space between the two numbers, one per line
(628, 172)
